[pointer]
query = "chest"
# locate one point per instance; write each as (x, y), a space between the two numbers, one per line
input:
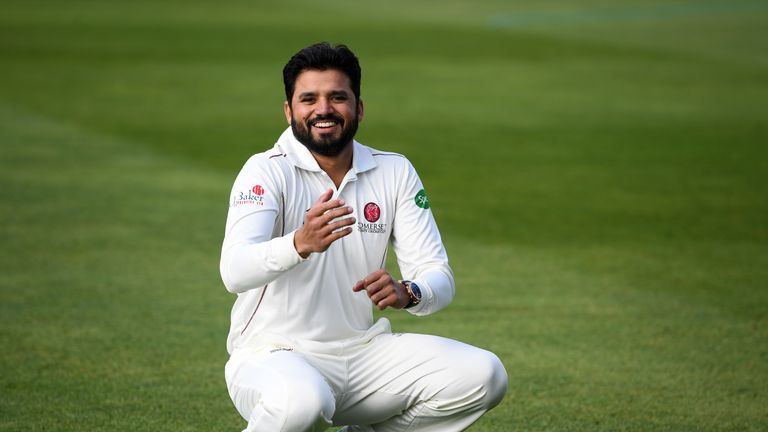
(373, 202)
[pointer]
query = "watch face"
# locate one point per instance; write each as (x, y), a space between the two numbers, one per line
(416, 290)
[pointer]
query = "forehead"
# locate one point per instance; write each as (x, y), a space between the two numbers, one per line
(321, 81)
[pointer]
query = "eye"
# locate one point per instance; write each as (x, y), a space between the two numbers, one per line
(339, 98)
(307, 98)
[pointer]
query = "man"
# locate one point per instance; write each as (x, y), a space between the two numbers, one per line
(305, 244)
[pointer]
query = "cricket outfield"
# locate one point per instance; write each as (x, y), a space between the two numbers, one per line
(598, 172)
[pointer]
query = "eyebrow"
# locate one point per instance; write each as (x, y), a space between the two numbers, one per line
(331, 93)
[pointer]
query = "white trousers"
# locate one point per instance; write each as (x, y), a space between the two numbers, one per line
(395, 382)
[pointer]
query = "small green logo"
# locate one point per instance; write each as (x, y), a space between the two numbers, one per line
(422, 200)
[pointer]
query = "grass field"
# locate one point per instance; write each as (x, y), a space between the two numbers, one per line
(599, 172)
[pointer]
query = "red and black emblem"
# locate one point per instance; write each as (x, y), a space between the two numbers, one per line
(372, 212)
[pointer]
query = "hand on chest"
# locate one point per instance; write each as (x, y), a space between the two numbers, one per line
(372, 206)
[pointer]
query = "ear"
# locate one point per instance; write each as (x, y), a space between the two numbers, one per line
(287, 109)
(360, 110)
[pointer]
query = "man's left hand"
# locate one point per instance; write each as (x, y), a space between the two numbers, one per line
(383, 291)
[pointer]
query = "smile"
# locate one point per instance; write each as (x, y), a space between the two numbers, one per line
(324, 124)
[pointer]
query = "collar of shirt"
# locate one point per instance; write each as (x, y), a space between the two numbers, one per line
(300, 156)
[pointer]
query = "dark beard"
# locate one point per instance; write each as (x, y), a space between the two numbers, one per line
(326, 146)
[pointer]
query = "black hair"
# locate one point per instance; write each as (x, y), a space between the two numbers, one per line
(322, 56)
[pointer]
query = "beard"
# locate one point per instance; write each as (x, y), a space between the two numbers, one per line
(326, 144)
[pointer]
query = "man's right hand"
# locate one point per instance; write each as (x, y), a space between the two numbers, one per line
(318, 232)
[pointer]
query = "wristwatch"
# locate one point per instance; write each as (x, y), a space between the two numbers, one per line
(414, 294)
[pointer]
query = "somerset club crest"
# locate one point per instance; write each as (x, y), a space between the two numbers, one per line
(372, 213)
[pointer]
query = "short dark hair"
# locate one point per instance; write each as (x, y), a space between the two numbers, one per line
(322, 56)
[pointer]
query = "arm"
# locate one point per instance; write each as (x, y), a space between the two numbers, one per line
(250, 258)
(254, 252)
(419, 248)
(420, 255)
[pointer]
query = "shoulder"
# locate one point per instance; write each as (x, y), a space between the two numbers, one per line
(385, 156)
(269, 169)
(272, 156)
(267, 162)
(388, 160)
(394, 164)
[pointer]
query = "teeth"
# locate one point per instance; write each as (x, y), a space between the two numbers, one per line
(325, 124)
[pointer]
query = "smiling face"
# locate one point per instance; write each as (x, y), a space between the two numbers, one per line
(323, 111)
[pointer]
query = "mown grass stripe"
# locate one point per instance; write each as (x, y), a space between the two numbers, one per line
(610, 14)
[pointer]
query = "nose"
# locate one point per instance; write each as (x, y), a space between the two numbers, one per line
(323, 106)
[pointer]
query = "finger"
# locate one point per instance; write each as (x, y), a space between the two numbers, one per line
(358, 286)
(324, 203)
(386, 302)
(377, 285)
(332, 237)
(325, 196)
(322, 208)
(335, 213)
(363, 283)
(374, 276)
(333, 226)
(381, 294)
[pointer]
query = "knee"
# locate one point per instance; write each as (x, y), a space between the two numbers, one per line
(286, 408)
(307, 409)
(473, 384)
(492, 379)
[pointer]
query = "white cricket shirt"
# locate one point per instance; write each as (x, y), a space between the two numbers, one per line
(284, 299)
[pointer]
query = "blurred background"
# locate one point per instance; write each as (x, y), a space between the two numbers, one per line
(598, 171)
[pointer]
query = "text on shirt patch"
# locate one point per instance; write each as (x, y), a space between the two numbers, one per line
(372, 213)
(255, 196)
(421, 199)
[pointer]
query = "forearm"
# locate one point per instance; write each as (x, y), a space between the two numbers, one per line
(250, 265)
(437, 290)
(254, 252)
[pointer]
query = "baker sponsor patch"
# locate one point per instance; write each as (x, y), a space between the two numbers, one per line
(254, 196)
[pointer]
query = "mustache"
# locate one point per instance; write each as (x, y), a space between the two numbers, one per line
(324, 117)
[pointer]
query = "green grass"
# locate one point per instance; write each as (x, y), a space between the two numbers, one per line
(597, 170)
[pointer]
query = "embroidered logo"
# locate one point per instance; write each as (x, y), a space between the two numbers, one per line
(421, 199)
(254, 196)
(372, 212)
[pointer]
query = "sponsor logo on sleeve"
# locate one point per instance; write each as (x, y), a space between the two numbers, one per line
(421, 199)
(255, 196)
(372, 214)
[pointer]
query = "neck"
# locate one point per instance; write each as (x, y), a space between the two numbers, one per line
(336, 166)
